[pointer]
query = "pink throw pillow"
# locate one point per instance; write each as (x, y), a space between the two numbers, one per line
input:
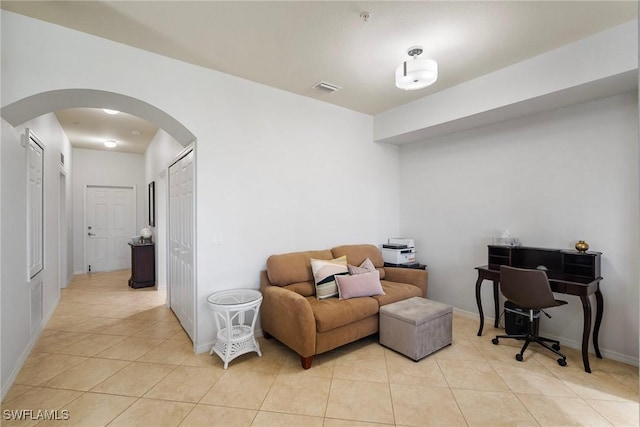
(359, 285)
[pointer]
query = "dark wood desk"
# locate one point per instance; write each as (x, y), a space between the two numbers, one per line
(571, 273)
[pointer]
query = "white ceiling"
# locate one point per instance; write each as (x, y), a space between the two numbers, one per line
(91, 127)
(293, 45)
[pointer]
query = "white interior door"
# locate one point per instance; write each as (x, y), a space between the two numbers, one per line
(110, 224)
(181, 256)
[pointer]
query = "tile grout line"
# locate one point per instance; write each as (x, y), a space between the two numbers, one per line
(386, 366)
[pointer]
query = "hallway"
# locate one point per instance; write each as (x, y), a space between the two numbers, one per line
(112, 355)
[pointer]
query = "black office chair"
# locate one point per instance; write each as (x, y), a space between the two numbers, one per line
(530, 289)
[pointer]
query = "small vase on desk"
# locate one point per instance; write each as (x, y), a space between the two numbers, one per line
(582, 246)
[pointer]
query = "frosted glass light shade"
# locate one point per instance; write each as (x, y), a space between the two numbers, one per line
(416, 74)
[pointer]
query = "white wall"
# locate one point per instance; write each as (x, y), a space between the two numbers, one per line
(161, 151)
(289, 174)
(105, 168)
(276, 172)
(15, 289)
(550, 179)
(17, 338)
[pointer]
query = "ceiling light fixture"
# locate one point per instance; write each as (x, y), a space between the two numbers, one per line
(416, 73)
(108, 111)
(110, 143)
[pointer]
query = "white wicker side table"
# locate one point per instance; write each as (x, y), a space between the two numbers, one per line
(236, 312)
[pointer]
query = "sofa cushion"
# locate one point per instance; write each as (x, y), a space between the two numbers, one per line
(306, 289)
(332, 313)
(356, 254)
(359, 285)
(324, 274)
(293, 267)
(394, 291)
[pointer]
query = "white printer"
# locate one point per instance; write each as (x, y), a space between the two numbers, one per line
(399, 251)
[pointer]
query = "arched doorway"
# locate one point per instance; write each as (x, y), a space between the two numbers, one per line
(46, 102)
(37, 105)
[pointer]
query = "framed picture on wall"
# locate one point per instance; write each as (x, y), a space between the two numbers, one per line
(152, 203)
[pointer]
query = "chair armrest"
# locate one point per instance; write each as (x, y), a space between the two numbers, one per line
(411, 276)
(288, 317)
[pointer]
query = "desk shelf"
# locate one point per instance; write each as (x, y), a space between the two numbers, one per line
(579, 264)
(499, 255)
(582, 265)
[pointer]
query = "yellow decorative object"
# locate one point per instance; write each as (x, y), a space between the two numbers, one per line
(582, 246)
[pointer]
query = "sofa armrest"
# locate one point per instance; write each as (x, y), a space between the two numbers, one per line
(288, 317)
(411, 276)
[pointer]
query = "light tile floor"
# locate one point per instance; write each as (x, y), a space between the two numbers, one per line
(115, 356)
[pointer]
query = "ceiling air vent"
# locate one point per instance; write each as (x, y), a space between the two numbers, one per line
(325, 87)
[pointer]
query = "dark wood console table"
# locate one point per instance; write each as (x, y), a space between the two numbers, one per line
(143, 265)
(569, 272)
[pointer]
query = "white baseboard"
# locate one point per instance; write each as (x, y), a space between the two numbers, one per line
(25, 353)
(204, 348)
(566, 341)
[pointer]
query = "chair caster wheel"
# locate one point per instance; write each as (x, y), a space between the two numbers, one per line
(562, 362)
(495, 341)
(519, 357)
(556, 346)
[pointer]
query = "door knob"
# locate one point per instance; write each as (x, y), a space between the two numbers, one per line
(91, 234)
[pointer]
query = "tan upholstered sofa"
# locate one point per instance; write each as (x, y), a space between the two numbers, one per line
(291, 313)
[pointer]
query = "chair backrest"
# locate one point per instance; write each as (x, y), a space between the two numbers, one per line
(526, 288)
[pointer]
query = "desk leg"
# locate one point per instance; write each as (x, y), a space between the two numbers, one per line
(479, 302)
(586, 310)
(495, 303)
(596, 328)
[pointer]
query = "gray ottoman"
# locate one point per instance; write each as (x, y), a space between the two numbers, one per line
(415, 327)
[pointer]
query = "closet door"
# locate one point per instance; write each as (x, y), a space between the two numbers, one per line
(181, 230)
